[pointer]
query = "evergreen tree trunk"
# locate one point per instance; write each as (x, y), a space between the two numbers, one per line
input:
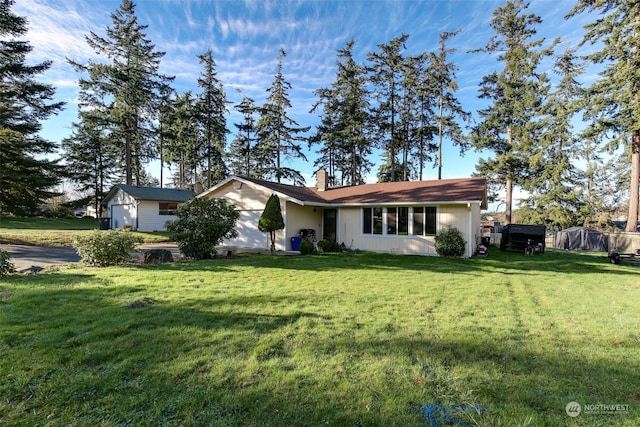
(440, 126)
(634, 196)
(508, 203)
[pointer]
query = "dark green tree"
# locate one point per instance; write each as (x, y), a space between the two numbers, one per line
(163, 125)
(414, 114)
(26, 176)
(615, 97)
(554, 184)
(441, 79)
(127, 86)
(212, 109)
(242, 153)
(278, 134)
(202, 225)
(183, 141)
(386, 68)
(271, 220)
(89, 156)
(511, 125)
(343, 132)
(604, 184)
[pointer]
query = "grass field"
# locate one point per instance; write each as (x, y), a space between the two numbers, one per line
(345, 339)
(38, 231)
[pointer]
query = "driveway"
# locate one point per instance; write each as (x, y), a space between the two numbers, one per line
(25, 257)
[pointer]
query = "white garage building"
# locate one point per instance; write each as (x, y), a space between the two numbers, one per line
(143, 208)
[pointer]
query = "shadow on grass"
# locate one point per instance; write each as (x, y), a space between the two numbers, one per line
(497, 262)
(113, 359)
(506, 378)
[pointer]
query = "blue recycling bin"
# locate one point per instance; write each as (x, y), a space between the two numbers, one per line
(295, 243)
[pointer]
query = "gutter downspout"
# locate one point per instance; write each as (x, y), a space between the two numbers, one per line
(469, 244)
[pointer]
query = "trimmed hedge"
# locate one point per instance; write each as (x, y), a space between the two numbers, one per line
(106, 247)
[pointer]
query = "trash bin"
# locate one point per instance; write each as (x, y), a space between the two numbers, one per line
(105, 223)
(295, 243)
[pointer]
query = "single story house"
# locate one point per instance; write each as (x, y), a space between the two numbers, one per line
(143, 208)
(395, 217)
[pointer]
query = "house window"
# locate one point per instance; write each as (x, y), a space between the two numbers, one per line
(424, 221)
(372, 220)
(398, 221)
(167, 208)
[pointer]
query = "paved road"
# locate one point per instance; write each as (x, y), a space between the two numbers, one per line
(24, 257)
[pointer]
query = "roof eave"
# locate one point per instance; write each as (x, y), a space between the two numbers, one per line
(252, 184)
(413, 203)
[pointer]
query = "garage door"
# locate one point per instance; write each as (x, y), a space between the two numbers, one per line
(248, 234)
(121, 216)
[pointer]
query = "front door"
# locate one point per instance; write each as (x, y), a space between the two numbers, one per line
(330, 224)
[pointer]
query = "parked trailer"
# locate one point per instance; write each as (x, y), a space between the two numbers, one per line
(617, 257)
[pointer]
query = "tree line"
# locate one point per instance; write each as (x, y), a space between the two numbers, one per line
(403, 106)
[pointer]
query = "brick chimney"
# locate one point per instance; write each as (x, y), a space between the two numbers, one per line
(323, 179)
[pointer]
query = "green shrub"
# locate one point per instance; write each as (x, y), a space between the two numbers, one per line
(202, 225)
(103, 248)
(6, 266)
(306, 247)
(450, 243)
(329, 246)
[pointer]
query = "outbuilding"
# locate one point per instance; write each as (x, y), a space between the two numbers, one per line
(143, 208)
(582, 239)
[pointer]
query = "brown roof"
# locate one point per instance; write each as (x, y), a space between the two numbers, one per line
(304, 194)
(436, 191)
(445, 190)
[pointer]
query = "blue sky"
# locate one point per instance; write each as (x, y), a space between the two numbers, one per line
(245, 37)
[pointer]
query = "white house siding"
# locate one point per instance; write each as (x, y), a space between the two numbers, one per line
(243, 196)
(149, 218)
(122, 210)
(302, 217)
(458, 216)
(248, 234)
(250, 202)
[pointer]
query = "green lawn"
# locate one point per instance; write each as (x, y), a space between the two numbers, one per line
(38, 231)
(345, 339)
(31, 223)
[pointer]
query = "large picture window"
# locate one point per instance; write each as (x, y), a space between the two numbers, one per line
(372, 220)
(167, 208)
(424, 221)
(398, 221)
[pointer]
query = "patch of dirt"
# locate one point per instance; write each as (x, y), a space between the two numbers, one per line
(142, 302)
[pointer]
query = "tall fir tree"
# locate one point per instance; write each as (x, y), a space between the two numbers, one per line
(441, 78)
(279, 136)
(242, 151)
(183, 142)
(89, 156)
(412, 114)
(27, 177)
(212, 110)
(554, 186)
(511, 124)
(127, 85)
(386, 68)
(615, 97)
(343, 134)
